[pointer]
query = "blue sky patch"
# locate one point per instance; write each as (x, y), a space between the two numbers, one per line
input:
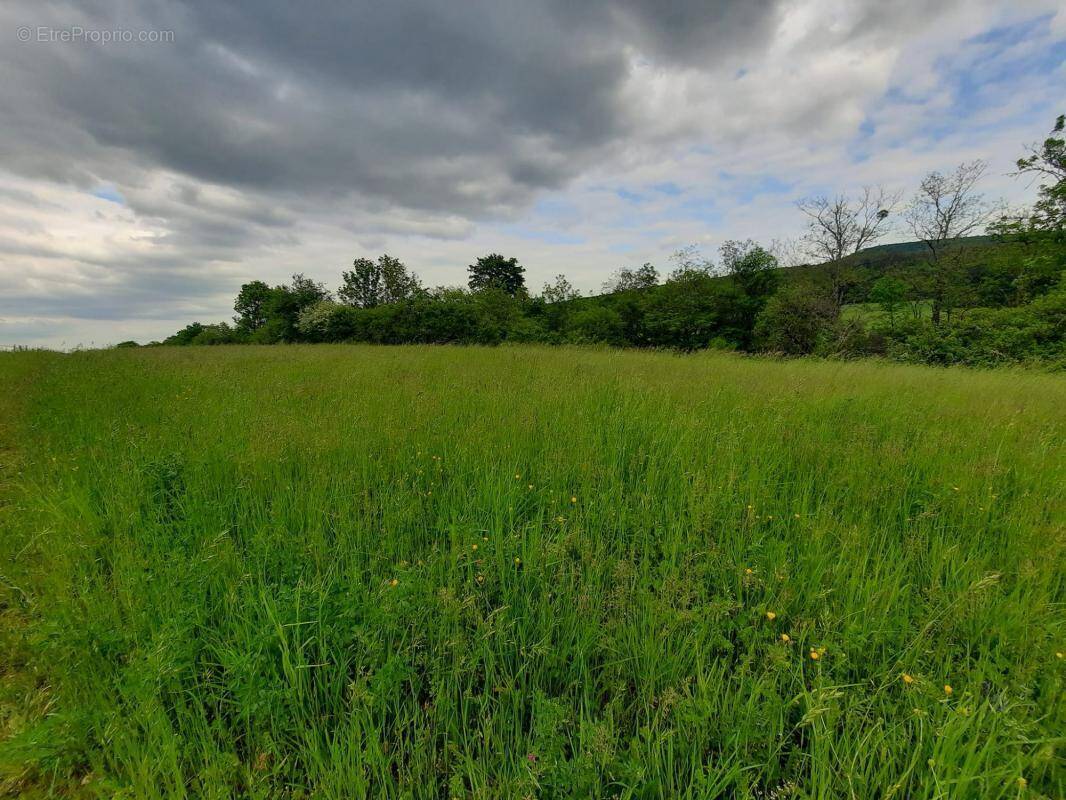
(108, 192)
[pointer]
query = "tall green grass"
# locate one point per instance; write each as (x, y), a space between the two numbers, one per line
(344, 572)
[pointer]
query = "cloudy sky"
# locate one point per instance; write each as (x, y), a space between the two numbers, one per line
(142, 181)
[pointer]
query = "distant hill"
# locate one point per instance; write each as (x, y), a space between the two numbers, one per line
(917, 248)
(982, 255)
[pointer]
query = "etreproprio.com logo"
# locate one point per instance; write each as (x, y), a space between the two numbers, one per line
(77, 34)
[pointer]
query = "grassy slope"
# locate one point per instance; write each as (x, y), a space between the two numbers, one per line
(919, 249)
(448, 572)
(871, 313)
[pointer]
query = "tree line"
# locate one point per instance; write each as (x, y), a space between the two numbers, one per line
(948, 299)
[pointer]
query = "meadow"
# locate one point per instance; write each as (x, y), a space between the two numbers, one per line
(522, 572)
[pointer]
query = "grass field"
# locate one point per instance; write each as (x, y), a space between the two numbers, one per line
(344, 572)
(872, 313)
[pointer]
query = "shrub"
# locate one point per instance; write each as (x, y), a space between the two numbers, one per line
(597, 324)
(992, 336)
(795, 320)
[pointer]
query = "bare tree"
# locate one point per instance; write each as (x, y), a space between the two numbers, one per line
(840, 226)
(789, 252)
(945, 208)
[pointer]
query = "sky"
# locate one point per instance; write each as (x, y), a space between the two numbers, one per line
(156, 155)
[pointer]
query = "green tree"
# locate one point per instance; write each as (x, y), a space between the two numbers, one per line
(889, 293)
(186, 335)
(1041, 229)
(496, 272)
(286, 303)
(361, 285)
(559, 291)
(690, 311)
(643, 277)
(199, 334)
(1048, 164)
(305, 291)
(689, 264)
(216, 334)
(398, 283)
(251, 306)
(368, 283)
(752, 266)
(753, 270)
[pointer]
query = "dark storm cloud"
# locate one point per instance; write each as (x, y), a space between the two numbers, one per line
(465, 107)
(409, 116)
